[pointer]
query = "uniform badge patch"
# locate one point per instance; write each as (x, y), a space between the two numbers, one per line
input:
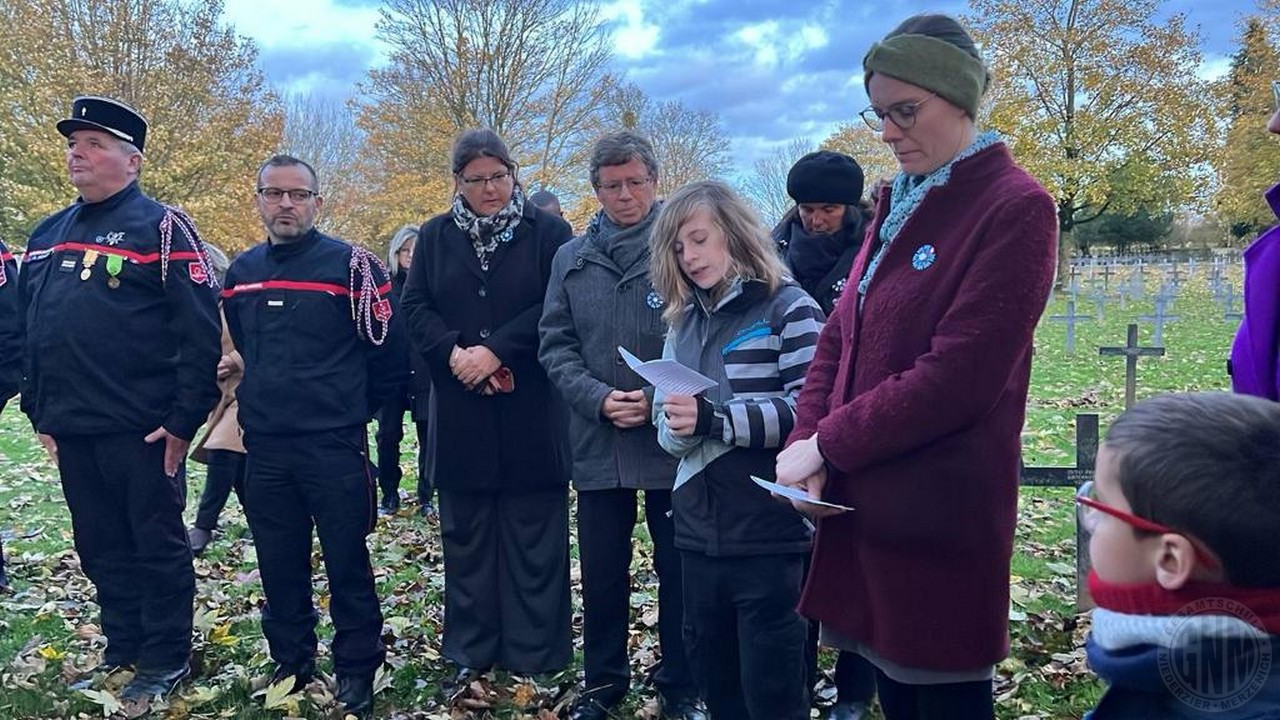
(382, 310)
(197, 273)
(924, 257)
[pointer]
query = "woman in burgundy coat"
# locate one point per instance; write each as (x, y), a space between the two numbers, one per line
(913, 408)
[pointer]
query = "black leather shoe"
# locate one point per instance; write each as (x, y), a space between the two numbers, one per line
(848, 711)
(147, 684)
(389, 506)
(683, 709)
(301, 674)
(588, 710)
(355, 692)
(593, 706)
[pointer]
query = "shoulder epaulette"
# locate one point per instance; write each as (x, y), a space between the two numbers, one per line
(200, 269)
(367, 303)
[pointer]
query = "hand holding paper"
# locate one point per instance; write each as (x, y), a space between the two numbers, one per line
(796, 495)
(668, 375)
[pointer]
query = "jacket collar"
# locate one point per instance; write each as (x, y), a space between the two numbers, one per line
(739, 293)
(125, 194)
(283, 250)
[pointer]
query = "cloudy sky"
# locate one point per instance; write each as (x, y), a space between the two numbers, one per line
(775, 70)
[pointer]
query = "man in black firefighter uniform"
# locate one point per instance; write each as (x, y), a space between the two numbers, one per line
(313, 319)
(121, 354)
(10, 349)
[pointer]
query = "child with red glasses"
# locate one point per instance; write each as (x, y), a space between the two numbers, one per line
(1184, 538)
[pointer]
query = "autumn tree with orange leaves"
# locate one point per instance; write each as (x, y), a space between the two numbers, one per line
(1100, 101)
(212, 118)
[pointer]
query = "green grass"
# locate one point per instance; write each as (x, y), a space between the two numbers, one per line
(47, 631)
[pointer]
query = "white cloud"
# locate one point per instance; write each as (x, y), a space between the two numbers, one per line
(762, 39)
(633, 38)
(775, 45)
(282, 25)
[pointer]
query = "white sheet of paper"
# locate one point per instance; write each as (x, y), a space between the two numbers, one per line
(668, 375)
(794, 493)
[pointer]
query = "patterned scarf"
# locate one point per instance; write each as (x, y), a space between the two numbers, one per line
(909, 192)
(486, 231)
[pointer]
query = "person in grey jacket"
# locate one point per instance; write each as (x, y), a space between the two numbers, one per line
(737, 319)
(599, 297)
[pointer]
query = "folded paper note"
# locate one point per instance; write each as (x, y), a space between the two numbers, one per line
(668, 375)
(794, 493)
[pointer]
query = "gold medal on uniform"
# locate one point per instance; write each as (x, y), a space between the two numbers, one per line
(115, 264)
(90, 257)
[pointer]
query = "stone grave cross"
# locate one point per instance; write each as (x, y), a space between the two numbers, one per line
(1159, 318)
(1107, 272)
(1229, 299)
(1073, 477)
(1131, 352)
(1071, 318)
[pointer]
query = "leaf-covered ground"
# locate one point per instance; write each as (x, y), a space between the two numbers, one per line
(49, 642)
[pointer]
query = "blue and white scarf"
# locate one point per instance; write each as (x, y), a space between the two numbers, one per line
(908, 193)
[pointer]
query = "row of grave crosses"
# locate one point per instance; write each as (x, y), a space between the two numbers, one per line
(1087, 451)
(1133, 286)
(1099, 277)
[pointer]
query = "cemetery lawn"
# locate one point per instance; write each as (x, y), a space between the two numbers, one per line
(48, 636)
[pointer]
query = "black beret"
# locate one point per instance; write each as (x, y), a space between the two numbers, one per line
(825, 177)
(90, 112)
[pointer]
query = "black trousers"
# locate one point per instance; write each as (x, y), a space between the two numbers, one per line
(390, 433)
(855, 678)
(606, 519)
(127, 518)
(952, 701)
(506, 579)
(745, 638)
(321, 480)
(225, 472)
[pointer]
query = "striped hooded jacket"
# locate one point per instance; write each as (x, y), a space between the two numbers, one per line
(758, 347)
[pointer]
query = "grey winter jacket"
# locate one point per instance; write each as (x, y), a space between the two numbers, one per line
(592, 307)
(758, 347)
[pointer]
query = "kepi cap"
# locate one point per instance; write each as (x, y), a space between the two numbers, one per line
(93, 112)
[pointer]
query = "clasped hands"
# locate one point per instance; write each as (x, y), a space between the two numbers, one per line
(626, 409)
(802, 466)
(473, 366)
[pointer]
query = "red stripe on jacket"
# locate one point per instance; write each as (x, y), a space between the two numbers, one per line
(331, 288)
(129, 255)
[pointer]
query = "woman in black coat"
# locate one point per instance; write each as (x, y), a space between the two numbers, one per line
(473, 299)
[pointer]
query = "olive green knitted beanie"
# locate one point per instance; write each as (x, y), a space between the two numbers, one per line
(933, 64)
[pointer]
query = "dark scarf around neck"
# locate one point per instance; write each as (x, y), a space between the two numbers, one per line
(811, 257)
(626, 246)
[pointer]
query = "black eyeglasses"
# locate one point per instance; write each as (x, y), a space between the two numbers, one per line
(903, 115)
(275, 195)
(632, 184)
(496, 178)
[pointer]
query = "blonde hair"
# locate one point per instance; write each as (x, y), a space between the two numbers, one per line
(751, 253)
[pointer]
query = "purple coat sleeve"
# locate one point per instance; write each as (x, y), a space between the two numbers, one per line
(1255, 369)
